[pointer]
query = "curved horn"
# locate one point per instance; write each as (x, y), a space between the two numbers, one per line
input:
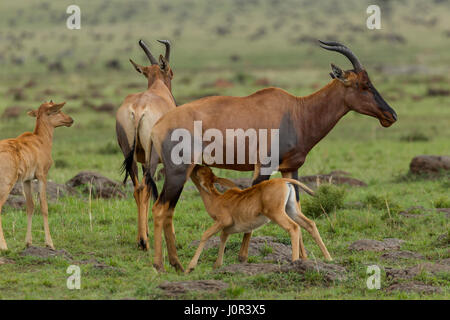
(338, 47)
(167, 44)
(147, 52)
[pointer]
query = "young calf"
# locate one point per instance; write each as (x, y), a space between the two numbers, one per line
(28, 157)
(237, 211)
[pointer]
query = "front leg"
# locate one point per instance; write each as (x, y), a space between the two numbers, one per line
(44, 210)
(30, 209)
(223, 241)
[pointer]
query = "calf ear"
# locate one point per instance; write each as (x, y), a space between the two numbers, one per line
(55, 108)
(225, 182)
(32, 113)
(202, 184)
(138, 67)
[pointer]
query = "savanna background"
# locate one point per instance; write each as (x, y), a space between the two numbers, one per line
(229, 48)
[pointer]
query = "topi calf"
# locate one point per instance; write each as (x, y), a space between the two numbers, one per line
(29, 157)
(237, 211)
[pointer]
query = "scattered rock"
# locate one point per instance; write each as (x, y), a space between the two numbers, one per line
(105, 107)
(113, 64)
(334, 177)
(429, 165)
(12, 112)
(55, 191)
(413, 287)
(411, 272)
(395, 255)
(331, 272)
(6, 261)
(249, 268)
(102, 187)
(437, 92)
(45, 253)
(181, 287)
(375, 245)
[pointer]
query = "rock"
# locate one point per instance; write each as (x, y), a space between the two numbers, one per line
(6, 261)
(395, 255)
(12, 112)
(45, 253)
(331, 272)
(249, 268)
(334, 177)
(429, 165)
(413, 287)
(102, 187)
(375, 245)
(181, 287)
(411, 272)
(55, 191)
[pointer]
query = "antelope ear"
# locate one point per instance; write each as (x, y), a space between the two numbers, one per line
(163, 63)
(138, 67)
(32, 113)
(339, 74)
(202, 184)
(55, 108)
(225, 182)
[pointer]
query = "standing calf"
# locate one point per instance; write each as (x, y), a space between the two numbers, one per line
(29, 157)
(238, 210)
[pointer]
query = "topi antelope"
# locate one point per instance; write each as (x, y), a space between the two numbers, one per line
(301, 123)
(237, 211)
(134, 121)
(28, 157)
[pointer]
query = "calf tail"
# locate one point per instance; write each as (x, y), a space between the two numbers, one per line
(301, 185)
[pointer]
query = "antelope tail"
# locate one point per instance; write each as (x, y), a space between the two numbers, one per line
(151, 185)
(301, 185)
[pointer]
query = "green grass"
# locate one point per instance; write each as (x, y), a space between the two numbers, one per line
(358, 144)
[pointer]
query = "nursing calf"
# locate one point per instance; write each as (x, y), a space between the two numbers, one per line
(237, 211)
(29, 157)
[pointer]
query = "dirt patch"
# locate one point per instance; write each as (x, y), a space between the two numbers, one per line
(102, 187)
(268, 247)
(250, 268)
(181, 287)
(45, 252)
(335, 177)
(396, 255)
(6, 261)
(331, 272)
(13, 112)
(429, 165)
(99, 265)
(411, 272)
(55, 191)
(413, 287)
(375, 245)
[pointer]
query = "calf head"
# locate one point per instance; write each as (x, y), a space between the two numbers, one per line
(360, 94)
(204, 177)
(157, 70)
(51, 114)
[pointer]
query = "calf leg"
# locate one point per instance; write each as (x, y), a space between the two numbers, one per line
(3, 245)
(310, 226)
(44, 210)
(283, 220)
(30, 209)
(216, 227)
(243, 252)
(223, 241)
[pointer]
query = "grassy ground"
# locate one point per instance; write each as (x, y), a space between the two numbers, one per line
(269, 40)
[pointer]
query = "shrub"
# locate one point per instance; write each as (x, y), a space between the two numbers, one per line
(442, 202)
(379, 203)
(328, 197)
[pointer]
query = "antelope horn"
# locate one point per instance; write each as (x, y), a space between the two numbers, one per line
(338, 47)
(147, 52)
(167, 44)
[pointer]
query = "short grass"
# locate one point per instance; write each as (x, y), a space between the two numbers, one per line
(402, 71)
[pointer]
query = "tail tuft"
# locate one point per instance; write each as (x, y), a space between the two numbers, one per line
(151, 185)
(127, 164)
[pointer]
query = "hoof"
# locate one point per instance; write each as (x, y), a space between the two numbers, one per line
(50, 246)
(178, 267)
(143, 244)
(159, 268)
(242, 259)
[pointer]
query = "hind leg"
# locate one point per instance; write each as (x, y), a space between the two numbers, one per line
(243, 252)
(30, 209)
(3, 245)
